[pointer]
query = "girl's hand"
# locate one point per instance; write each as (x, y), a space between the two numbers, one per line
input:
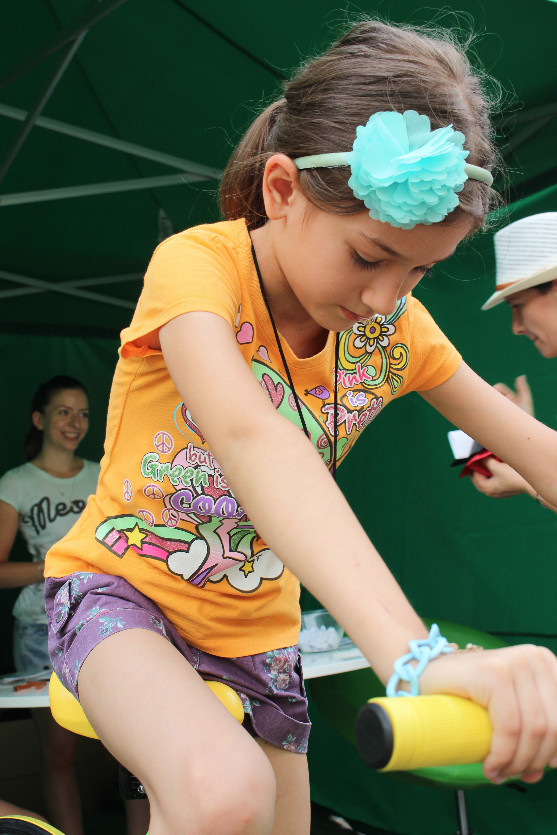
(504, 481)
(522, 396)
(518, 687)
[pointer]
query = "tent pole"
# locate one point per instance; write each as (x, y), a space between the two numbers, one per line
(113, 142)
(60, 287)
(67, 55)
(18, 198)
(80, 282)
(95, 12)
(524, 135)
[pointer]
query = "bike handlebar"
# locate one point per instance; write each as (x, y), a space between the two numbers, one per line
(407, 733)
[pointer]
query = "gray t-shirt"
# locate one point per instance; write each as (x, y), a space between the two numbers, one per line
(48, 508)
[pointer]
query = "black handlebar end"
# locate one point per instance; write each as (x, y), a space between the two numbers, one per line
(374, 735)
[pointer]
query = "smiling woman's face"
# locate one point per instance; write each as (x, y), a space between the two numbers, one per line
(534, 314)
(65, 420)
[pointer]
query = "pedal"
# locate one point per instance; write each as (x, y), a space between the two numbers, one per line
(130, 787)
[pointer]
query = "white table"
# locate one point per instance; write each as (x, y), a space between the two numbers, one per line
(342, 660)
(35, 695)
(315, 664)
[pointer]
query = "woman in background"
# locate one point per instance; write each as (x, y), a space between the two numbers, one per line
(42, 499)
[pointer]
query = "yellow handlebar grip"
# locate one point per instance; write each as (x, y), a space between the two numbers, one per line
(406, 733)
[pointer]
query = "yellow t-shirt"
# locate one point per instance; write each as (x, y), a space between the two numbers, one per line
(163, 516)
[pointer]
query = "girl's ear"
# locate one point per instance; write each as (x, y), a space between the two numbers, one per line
(37, 420)
(280, 185)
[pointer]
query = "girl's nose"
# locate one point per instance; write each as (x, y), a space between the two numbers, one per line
(382, 293)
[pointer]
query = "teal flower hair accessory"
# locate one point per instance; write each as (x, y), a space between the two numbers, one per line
(404, 172)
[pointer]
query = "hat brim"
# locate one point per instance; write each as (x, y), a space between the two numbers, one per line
(522, 284)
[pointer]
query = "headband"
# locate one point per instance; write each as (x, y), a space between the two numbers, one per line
(404, 172)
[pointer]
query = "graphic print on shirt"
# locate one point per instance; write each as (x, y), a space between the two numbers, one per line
(43, 513)
(366, 350)
(367, 361)
(214, 549)
(204, 536)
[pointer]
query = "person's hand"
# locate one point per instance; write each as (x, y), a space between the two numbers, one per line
(522, 395)
(518, 687)
(503, 483)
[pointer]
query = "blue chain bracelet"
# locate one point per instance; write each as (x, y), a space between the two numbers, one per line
(422, 651)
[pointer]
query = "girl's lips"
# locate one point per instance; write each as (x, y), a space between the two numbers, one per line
(353, 317)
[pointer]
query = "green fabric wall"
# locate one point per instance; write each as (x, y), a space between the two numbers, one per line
(458, 555)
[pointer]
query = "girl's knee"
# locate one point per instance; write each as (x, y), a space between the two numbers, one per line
(243, 808)
(240, 801)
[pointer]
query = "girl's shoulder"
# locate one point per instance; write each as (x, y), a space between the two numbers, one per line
(224, 234)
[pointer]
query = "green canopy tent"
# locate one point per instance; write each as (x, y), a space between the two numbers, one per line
(116, 118)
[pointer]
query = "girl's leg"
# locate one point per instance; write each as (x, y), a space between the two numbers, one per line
(292, 807)
(202, 771)
(8, 809)
(60, 787)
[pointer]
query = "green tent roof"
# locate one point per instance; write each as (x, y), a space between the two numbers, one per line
(151, 96)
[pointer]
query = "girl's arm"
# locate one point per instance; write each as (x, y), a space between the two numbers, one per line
(288, 493)
(14, 574)
(521, 395)
(526, 445)
(300, 512)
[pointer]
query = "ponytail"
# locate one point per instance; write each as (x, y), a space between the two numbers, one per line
(241, 193)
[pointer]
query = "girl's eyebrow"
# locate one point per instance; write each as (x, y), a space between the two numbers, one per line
(381, 245)
(393, 252)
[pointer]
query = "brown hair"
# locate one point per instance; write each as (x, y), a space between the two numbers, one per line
(374, 67)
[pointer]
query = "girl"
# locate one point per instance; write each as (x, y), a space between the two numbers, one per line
(259, 350)
(42, 499)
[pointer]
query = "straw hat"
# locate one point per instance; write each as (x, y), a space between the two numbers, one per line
(525, 255)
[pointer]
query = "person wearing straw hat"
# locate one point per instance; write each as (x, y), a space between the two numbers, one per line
(526, 279)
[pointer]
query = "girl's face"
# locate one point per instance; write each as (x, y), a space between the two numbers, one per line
(347, 268)
(534, 315)
(65, 420)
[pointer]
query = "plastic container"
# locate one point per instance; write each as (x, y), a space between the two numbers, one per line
(320, 632)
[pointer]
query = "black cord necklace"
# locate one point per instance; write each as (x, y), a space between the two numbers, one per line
(287, 370)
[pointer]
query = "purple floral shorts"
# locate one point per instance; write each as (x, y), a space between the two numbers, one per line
(85, 608)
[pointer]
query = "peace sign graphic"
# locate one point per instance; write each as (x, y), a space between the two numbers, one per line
(147, 517)
(153, 491)
(170, 517)
(164, 442)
